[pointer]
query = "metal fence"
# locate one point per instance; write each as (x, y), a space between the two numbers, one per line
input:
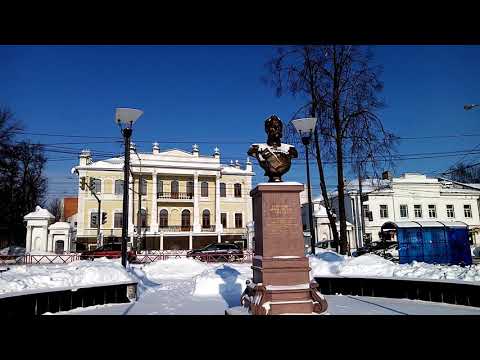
(142, 258)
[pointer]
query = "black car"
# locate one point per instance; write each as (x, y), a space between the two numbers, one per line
(217, 252)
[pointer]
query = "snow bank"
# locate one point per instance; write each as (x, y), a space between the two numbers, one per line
(327, 263)
(183, 268)
(228, 280)
(75, 274)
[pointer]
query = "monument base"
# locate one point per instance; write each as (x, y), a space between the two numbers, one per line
(281, 282)
(279, 300)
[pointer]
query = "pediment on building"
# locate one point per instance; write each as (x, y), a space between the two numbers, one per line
(176, 152)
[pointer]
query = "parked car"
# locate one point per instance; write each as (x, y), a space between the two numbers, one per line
(110, 251)
(375, 247)
(217, 252)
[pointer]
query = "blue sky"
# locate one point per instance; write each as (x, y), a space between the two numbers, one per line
(214, 93)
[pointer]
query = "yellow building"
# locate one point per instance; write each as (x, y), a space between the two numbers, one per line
(187, 200)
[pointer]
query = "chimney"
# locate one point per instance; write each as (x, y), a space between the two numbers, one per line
(387, 175)
(156, 148)
(133, 147)
(195, 150)
(216, 153)
(85, 157)
(248, 164)
(231, 163)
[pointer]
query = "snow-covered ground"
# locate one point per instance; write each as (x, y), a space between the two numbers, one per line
(75, 274)
(326, 263)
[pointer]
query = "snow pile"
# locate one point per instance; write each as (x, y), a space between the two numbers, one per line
(327, 263)
(228, 280)
(183, 268)
(75, 274)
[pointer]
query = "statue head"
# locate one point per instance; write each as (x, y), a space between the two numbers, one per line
(274, 129)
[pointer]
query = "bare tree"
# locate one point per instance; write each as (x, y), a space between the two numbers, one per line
(55, 208)
(464, 173)
(339, 86)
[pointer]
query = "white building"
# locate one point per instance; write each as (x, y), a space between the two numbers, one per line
(323, 230)
(412, 197)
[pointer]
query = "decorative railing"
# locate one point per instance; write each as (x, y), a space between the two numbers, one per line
(175, 195)
(210, 228)
(158, 255)
(176, 228)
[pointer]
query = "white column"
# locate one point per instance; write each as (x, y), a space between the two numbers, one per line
(28, 244)
(130, 205)
(218, 223)
(219, 238)
(190, 241)
(196, 209)
(161, 240)
(153, 221)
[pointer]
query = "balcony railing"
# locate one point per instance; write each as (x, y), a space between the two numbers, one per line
(174, 195)
(175, 228)
(210, 228)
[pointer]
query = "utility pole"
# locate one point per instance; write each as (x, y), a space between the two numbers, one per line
(127, 133)
(139, 217)
(362, 214)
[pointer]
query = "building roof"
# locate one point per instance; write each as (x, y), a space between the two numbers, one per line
(426, 224)
(39, 214)
(171, 158)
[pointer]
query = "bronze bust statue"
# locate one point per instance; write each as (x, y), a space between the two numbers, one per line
(274, 157)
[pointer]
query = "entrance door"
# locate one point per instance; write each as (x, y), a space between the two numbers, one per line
(59, 246)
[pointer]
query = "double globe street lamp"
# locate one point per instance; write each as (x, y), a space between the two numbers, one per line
(125, 118)
(305, 128)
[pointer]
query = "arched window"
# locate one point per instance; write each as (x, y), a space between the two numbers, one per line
(223, 190)
(174, 189)
(204, 189)
(206, 219)
(190, 189)
(238, 190)
(118, 187)
(163, 218)
(185, 219)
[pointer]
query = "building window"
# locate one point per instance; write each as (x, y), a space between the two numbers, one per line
(238, 221)
(223, 190)
(118, 187)
(432, 211)
(159, 188)
(186, 218)
(118, 220)
(143, 186)
(93, 219)
(404, 211)
(383, 211)
(143, 218)
(174, 189)
(418, 210)
(467, 210)
(204, 189)
(223, 218)
(450, 211)
(190, 189)
(96, 185)
(163, 218)
(365, 211)
(238, 190)
(206, 219)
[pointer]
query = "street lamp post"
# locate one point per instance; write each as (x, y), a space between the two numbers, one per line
(305, 129)
(126, 117)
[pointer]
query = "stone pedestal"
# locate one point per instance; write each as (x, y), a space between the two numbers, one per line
(281, 282)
